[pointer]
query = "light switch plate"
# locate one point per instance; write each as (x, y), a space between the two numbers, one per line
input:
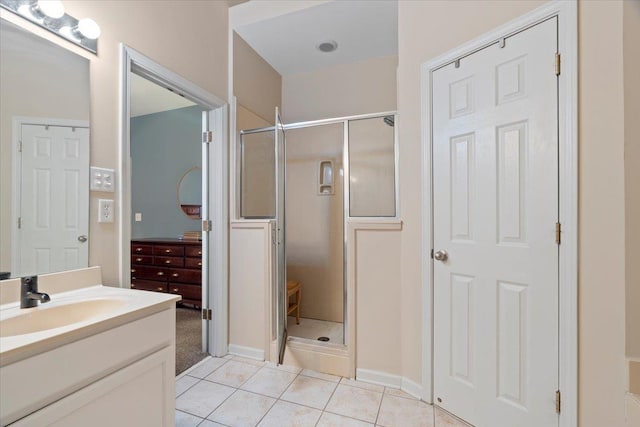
(106, 210)
(102, 179)
(138, 216)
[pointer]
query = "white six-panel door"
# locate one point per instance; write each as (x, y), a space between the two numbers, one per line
(54, 215)
(495, 206)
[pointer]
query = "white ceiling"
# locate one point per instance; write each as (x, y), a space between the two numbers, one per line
(149, 98)
(362, 29)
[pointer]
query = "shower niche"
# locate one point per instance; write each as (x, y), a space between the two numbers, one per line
(325, 177)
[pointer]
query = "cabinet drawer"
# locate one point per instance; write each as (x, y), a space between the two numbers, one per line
(149, 285)
(141, 259)
(171, 261)
(193, 251)
(157, 273)
(191, 292)
(168, 250)
(193, 262)
(183, 275)
(141, 249)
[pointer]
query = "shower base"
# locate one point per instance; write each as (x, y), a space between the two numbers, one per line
(313, 329)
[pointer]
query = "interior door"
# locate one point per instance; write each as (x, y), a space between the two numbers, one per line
(495, 201)
(206, 214)
(54, 221)
(281, 257)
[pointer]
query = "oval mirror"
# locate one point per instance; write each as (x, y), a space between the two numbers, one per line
(190, 192)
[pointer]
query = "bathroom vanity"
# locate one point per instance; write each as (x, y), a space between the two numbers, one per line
(94, 355)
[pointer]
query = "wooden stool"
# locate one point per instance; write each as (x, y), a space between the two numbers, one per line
(294, 288)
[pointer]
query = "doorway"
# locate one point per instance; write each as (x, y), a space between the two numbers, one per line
(185, 259)
(500, 174)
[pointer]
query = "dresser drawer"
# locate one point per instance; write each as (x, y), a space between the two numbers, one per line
(141, 249)
(148, 285)
(193, 262)
(141, 259)
(155, 273)
(170, 261)
(193, 251)
(191, 292)
(163, 250)
(183, 275)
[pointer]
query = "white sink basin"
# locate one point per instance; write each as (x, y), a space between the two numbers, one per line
(44, 318)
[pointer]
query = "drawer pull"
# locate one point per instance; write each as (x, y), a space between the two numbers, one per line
(133, 286)
(167, 251)
(160, 273)
(138, 259)
(133, 278)
(199, 252)
(138, 249)
(175, 289)
(175, 274)
(133, 270)
(168, 261)
(159, 289)
(199, 264)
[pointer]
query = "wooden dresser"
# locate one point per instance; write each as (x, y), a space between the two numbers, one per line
(168, 265)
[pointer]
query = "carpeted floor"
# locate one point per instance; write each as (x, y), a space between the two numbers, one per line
(188, 338)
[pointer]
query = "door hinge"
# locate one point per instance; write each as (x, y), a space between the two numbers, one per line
(207, 137)
(19, 222)
(431, 253)
(206, 225)
(206, 314)
(558, 61)
(558, 233)
(19, 146)
(558, 401)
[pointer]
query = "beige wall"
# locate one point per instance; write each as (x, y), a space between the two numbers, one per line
(256, 85)
(362, 87)
(314, 227)
(52, 84)
(425, 31)
(156, 29)
(631, 38)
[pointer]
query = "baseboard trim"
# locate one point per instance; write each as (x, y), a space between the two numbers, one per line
(248, 352)
(390, 380)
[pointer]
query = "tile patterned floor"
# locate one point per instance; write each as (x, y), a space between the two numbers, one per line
(313, 329)
(234, 391)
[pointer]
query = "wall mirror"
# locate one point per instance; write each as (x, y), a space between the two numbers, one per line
(190, 192)
(44, 161)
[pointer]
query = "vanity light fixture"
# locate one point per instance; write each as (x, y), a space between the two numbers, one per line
(50, 15)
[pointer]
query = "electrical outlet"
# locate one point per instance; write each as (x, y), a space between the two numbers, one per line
(138, 217)
(106, 210)
(102, 179)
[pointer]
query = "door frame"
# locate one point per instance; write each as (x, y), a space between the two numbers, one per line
(16, 135)
(566, 11)
(215, 289)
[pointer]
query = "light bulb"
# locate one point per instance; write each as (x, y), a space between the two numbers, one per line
(88, 28)
(52, 8)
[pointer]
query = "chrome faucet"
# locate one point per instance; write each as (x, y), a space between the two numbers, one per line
(29, 295)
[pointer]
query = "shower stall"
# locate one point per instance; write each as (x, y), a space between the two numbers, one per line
(310, 180)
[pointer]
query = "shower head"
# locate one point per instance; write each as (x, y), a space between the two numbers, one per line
(390, 120)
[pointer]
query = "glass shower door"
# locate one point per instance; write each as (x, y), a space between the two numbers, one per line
(281, 269)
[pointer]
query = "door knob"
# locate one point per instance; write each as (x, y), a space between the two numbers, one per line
(82, 238)
(441, 256)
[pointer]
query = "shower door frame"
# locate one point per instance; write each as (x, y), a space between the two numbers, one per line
(350, 226)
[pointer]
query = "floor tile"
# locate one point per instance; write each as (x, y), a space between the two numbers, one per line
(184, 383)
(400, 412)
(444, 419)
(255, 362)
(205, 368)
(355, 403)
(203, 398)
(285, 414)
(399, 393)
(320, 375)
(309, 392)
(332, 420)
(233, 373)
(363, 385)
(186, 420)
(208, 423)
(286, 368)
(269, 382)
(242, 409)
